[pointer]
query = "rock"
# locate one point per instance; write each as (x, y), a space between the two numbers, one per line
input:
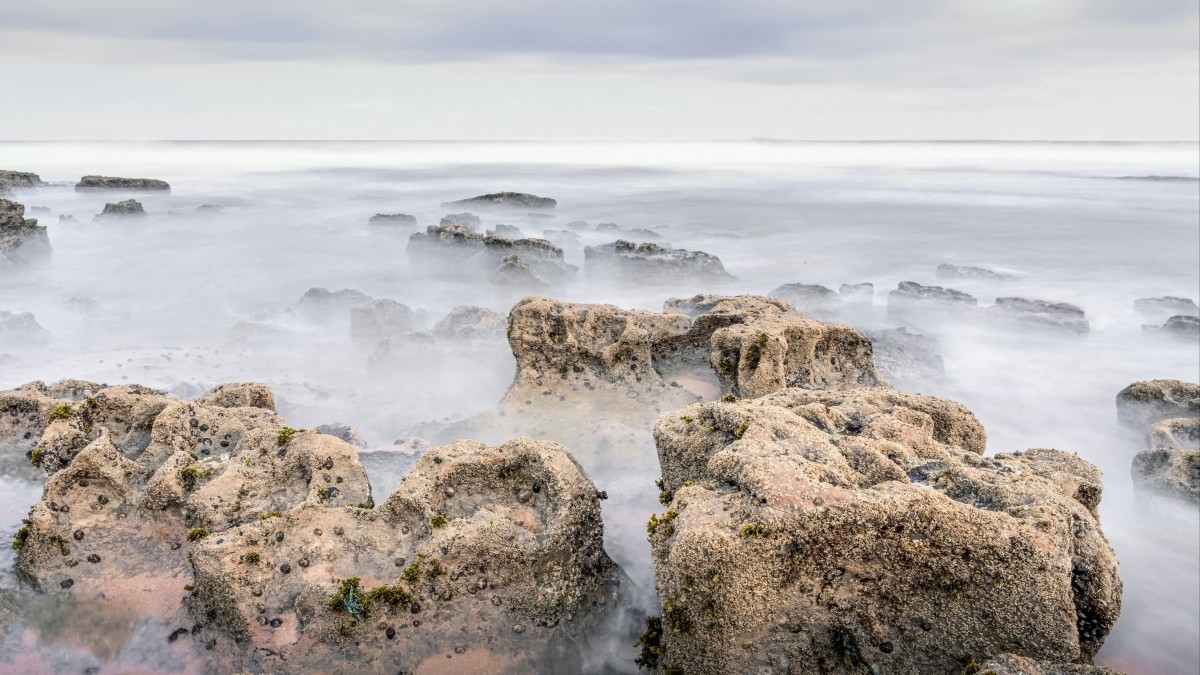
(323, 304)
(40, 209)
(945, 271)
(1011, 664)
(112, 183)
(635, 234)
(240, 395)
(538, 217)
(493, 553)
(21, 329)
(467, 322)
(516, 200)
(908, 360)
(1179, 326)
(863, 530)
(344, 432)
(450, 242)
(807, 298)
(209, 208)
(515, 273)
(1141, 404)
(863, 293)
(545, 258)
(83, 305)
(562, 238)
(380, 319)
(1166, 305)
(651, 262)
(467, 220)
(578, 225)
(910, 293)
(1058, 315)
(22, 240)
(122, 209)
(393, 219)
(19, 180)
(1171, 463)
(507, 232)
(66, 218)
(1179, 433)
(25, 413)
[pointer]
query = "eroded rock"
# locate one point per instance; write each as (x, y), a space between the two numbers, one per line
(1141, 404)
(1170, 465)
(383, 318)
(912, 294)
(808, 298)
(516, 273)
(1011, 664)
(21, 329)
(908, 360)
(22, 240)
(652, 262)
(114, 183)
(122, 209)
(468, 322)
(466, 219)
(393, 219)
(1057, 315)
(19, 180)
(516, 200)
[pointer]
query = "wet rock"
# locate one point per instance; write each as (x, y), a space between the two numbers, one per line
(383, 318)
(862, 293)
(1141, 404)
(910, 293)
(19, 180)
(579, 225)
(516, 273)
(1182, 326)
(507, 232)
(19, 329)
(864, 529)
(122, 209)
(947, 271)
(22, 240)
(1011, 664)
(344, 432)
(240, 395)
(454, 523)
(393, 219)
(808, 298)
(25, 412)
(908, 360)
(450, 242)
(1166, 306)
(467, 220)
(113, 183)
(323, 304)
(1171, 463)
(631, 234)
(543, 257)
(651, 262)
(468, 322)
(562, 238)
(1057, 315)
(516, 200)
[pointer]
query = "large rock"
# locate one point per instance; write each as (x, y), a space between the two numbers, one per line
(808, 298)
(1184, 326)
(862, 531)
(383, 318)
(113, 183)
(1057, 315)
(628, 233)
(491, 555)
(21, 239)
(25, 412)
(908, 360)
(507, 232)
(1011, 664)
(484, 254)
(21, 329)
(515, 200)
(1171, 463)
(393, 219)
(453, 241)
(468, 322)
(544, 257)
(517, 274)
(651, 262)
(912, 294)
(122, 209)
(19, 180)
(1141, 404)
(863, 293)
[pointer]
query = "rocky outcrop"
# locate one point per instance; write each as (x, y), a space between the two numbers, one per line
(323, 304)
(507, 232)
(628, 233)
(113, 183)
(380, 319)
(545, 258)
(491, 555)
(343, 432)
(506, 260)
(515, 200)
(1011, 664)
(21, 329)
(1166, 306)
(393, 219)
(863, 293)
(947, 271)
(908, 360)
(912, 294)
(467, 220)
(22, 240)
(1181, 326)
(808, 298)
(122, 209)
(863, 530)
(1171, 463)
(1056, 315)
(451, 241)
(19, 180)
(651, 262)
(467, 322)
(517, 274)
(1141, 404)
(25, 412)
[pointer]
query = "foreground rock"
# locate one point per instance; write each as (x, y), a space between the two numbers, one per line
(651, 262)
(122, 209)
(863, 531)
(517, 200)
(490, 555)
(22, 240)
(393, 219)
(1170, 465)
(113, 183)
(19, 180)
(1141, 404)
(1057, 315)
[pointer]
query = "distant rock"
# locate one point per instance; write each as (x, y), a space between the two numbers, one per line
(516, 200)
(562, 238)
(467, 322)
(19, 180)
(507, 232)
(945, 271)
(1141, 404)
(113, 183)
(446, 241)
(393, 219)
(21, 329)
(516, 273)
(807, 298)
(544, 257)
(910, 293)
(633, 234)
(1167, 305)
(1059, 315)
(651, 262)
(122, 209)
(22, 240)
(209, 208)
(579, 225)
(45, 210)
(467, 220)
(909, 361)
(372, 321)
(1182, 326)
(66, 218)
(458, 244)
(863, 293)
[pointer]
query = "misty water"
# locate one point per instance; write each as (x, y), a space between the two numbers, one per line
(185, 299)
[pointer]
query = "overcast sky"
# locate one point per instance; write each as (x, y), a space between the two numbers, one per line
(657, 69)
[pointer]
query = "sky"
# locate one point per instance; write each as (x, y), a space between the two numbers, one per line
(604, 69)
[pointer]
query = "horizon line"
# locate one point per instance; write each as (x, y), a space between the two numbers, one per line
(753, 139)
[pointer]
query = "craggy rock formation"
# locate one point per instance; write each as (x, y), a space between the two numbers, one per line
(1182, 326)
(344, 432)
(491, 555)
(651, 262)
(122, 209)
(112, 183)
(137, 478)
(1011, 664)
(240, 395)
(467, 220)
(458, 243)
(1167, 305)
(21, 239)
(562, 238)
(25, 412)
(517, 200)
(635, 233)
(515, 273)
(323, 304)
(21, 329)
(393, 219)
(467, 322)
(381, 319)
(544, 257)
(946, 271)
(1059, 315)
(807, 298)
(862, 293)
(1141, 404)
(910, 293)
(1171, 463)
(451, 241)
(862, 531)
(507, 232)
(908, 360)
(19, 180)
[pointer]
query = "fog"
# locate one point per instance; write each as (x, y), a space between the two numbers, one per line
(186, 299)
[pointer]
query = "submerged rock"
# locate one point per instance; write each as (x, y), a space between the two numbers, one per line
(21, 329)
(544, 257)
(22, 240)
(383, 318)
(494, 554)
(468, 322)
(1059, 315)
(862, 293)
(122, 209)
(321, 303)
(1166, 305)
(651, 262)
(863, 529)
(910, 293)
(516, 200)
(467, 220)
(1182, 326)
(392, 219)
(113, 183)
(453, 241)
(908, 360)
(1141, 404)
(807, 298)
(946, 271)
(515, 273)
(1171, 463)
(628, 233)
(562, 238)
(19, 180)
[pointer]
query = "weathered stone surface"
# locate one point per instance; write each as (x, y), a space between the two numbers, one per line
(517, 274)
(1171, 463)
(382, 319)
(1166, 305)
(1011, 664)
(22, 240)
(468, 322)
(114, 183)
(507, 232)
(447, 240)
(651, 262)
(910, 293)
(21, 329)
(240, 395)
(907, 360)
(393, 219)
(947, 271)
(862, 529)
(1182, 326)
(628, 233)
(343, 432)
(1179, 433)
(1057, 315)
(807, 298)
(516, 200)
(1141, 404)
(862, 293)
(543, 257)
(19, 180)
(467, 220)
(122, 209)
(492, 554)
(25, 413)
